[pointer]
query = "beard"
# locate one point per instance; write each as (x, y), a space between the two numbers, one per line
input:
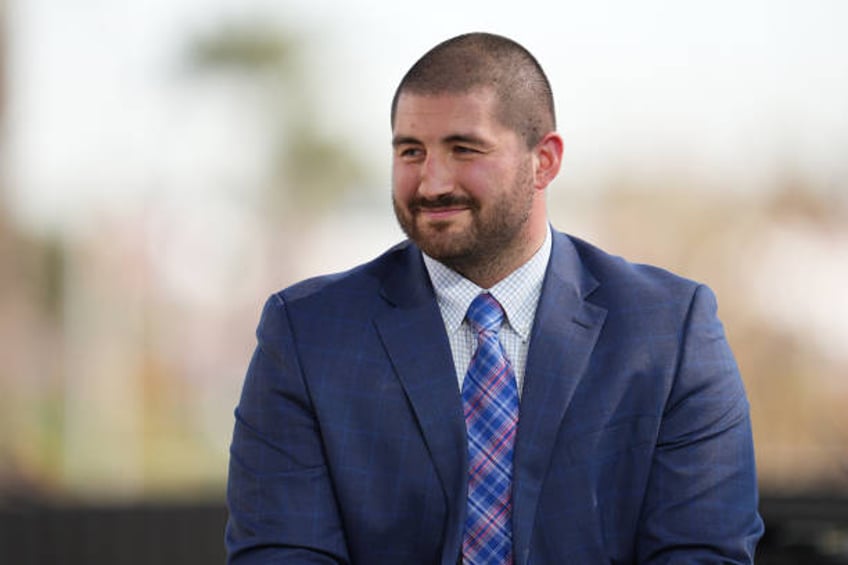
(493, 235)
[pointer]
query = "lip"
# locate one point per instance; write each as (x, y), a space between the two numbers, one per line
(442, 213)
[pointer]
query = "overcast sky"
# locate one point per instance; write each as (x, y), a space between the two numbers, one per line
(102, 113)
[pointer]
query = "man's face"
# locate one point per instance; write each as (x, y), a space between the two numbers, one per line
(462, 183)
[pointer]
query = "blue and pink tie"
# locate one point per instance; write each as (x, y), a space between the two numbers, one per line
(490, 401)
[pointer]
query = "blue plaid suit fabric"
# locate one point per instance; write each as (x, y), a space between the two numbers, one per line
(490, 403)
(635, 441)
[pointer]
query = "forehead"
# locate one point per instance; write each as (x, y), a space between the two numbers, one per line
(446, 113)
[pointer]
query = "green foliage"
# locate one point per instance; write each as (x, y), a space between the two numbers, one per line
(245, 47)
(309, 171)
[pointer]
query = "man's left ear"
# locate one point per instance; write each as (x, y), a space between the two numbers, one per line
(548, 159)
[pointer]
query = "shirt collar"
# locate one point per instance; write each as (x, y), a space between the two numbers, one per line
(518, 293)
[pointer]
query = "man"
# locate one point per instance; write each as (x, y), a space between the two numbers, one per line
(584, 410)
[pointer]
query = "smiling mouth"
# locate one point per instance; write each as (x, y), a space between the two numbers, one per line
(441, 208)
(441, 212)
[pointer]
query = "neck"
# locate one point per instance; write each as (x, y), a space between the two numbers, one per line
(487, 271)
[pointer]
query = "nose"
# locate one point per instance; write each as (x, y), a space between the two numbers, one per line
(436, 177)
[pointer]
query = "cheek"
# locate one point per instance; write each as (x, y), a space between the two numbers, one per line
(404, 181)
(481, 178)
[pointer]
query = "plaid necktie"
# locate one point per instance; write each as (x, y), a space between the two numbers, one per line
(490, 401)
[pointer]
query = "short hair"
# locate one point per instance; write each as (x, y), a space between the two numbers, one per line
(477, 60)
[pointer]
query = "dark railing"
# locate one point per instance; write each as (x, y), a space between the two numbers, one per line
(802, 531)
(126, 535)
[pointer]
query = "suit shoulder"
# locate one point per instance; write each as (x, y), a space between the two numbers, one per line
(622, 278)
(358, 281)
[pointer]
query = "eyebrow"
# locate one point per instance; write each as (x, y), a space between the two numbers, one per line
(455, 138)
(404, 140)
(465, 138)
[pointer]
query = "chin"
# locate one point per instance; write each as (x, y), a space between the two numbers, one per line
(448, 252)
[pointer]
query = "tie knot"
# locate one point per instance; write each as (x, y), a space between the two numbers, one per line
(485, 314)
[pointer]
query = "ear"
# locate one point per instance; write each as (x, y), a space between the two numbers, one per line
(548, 159)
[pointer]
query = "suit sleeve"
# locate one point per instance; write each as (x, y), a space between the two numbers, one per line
(282, 508)
(701, 500)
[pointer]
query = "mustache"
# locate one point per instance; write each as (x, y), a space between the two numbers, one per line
(443, 201)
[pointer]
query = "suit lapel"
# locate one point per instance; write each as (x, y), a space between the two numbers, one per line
(413, 334)
(564, 335)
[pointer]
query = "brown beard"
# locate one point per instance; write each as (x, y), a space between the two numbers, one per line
(489, 245)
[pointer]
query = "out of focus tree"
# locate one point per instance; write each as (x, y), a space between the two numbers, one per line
(309, 171)
(31, 304)
(3, 77)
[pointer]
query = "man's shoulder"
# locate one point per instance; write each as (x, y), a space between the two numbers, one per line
(360, 281)
(617, 276)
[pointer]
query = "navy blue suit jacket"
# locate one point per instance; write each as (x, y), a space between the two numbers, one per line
(633, 444)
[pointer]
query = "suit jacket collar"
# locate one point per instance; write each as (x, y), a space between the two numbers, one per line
(563, 337)
(564, 334)
(414, 336)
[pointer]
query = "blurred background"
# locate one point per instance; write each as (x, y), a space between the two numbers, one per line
(165, 165)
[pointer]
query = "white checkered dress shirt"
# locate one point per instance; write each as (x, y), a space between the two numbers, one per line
(519, 295)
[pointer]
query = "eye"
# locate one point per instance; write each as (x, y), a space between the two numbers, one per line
(464, 150)
(410, 152)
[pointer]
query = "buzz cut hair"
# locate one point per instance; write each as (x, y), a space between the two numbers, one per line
(477, 60)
